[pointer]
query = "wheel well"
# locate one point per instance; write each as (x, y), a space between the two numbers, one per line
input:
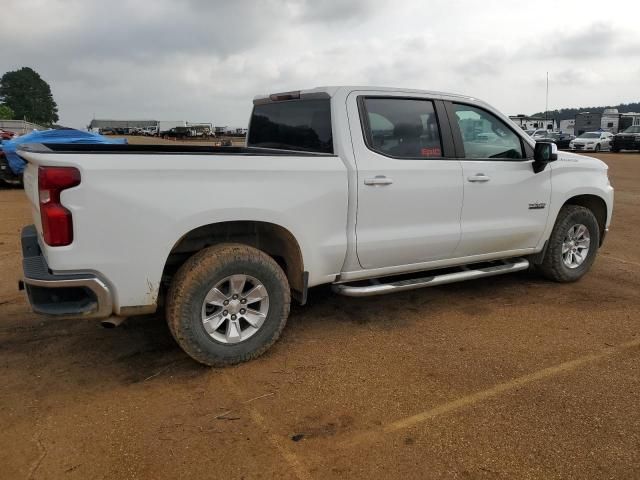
(272, 239)
(594, 203)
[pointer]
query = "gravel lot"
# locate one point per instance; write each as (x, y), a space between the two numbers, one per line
(507, 377)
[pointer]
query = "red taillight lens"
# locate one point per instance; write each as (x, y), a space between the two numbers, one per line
(57, 224)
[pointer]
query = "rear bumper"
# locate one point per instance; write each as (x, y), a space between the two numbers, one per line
(69, 295)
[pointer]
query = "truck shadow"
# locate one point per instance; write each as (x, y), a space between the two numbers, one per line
(142, 350)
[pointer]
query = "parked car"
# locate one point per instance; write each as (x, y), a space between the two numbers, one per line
(629, 139)
(362, 188)
(595, 141)
(6, 135)
(177, 132)
(562, 140)
(540, 133)
(150, 131)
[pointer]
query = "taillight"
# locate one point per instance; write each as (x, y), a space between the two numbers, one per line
(57, 224)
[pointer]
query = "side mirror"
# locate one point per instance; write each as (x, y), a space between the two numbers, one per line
(544, 153)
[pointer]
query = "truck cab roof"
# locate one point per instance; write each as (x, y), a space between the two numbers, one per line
(331, 91)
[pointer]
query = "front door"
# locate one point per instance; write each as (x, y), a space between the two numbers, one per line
(409, 192)
(505, 203)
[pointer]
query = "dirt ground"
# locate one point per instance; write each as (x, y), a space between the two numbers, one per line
(508, 377)
(140, 140)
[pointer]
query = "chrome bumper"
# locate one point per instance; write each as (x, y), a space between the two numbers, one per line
(69, 295)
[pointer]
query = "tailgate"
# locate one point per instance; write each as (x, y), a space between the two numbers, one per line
(30, 178)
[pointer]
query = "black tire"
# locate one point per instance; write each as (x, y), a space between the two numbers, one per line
(198, 276)
(553, 266)
(597, 147)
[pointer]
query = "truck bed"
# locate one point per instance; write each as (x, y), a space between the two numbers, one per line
(136, 202)
(159, 149)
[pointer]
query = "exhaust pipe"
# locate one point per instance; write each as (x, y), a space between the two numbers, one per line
(112, 322)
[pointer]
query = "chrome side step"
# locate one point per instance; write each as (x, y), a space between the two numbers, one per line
(466, 273)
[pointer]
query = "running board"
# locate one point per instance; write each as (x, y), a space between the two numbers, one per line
(465, 273)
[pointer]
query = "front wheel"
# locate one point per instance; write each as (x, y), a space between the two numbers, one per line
(228, 304)
(572, 245)
(597, 147)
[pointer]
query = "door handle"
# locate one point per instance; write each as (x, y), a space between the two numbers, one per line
(378, 180)
(480, 177)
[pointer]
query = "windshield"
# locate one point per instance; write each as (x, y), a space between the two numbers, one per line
(634, 129)
(590, 135)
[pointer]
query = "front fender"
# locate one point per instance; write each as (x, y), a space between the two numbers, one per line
(570, 181)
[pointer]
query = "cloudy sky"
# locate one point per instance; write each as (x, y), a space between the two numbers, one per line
(201, 60)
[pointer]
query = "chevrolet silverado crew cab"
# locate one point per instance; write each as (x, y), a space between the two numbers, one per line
(371, 190)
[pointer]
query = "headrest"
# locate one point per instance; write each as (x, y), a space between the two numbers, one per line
(407, 130)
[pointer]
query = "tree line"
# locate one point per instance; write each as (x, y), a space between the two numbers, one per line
(570, 113)
(24, 95)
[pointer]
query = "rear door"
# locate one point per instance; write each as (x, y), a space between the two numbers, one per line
(505, 203)
(409, 183)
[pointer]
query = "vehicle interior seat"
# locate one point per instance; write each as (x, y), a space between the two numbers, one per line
(408, 137)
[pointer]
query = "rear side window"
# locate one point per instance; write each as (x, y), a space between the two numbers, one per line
(303, 125)
(402, 127)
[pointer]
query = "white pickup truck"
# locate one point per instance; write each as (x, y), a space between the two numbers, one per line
(359, 187)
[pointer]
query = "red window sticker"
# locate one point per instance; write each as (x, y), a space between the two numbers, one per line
(431, 152)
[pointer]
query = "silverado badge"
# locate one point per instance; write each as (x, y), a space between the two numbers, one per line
(537, 205)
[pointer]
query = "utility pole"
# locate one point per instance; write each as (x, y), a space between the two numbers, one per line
(546, 105)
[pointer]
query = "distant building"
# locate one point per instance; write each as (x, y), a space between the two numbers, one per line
(629, 119)
(100, 124)
(588, 122)
(20, 127)
(610, 120)
(532, 123)
(568, 126)
(237, 132)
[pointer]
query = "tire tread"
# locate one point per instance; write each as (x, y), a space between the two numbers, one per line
(193, 274)
(552, 266)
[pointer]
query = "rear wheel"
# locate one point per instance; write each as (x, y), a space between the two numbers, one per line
(572, 245)
(228, 304)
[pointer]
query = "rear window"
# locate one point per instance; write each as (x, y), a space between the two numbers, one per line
(292, 125)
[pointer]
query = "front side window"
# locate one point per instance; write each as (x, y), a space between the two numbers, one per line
(485, 136)
(402, 127)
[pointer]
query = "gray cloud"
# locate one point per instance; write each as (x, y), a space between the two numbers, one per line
(205, 60)
(591, 40)
(576, 77)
